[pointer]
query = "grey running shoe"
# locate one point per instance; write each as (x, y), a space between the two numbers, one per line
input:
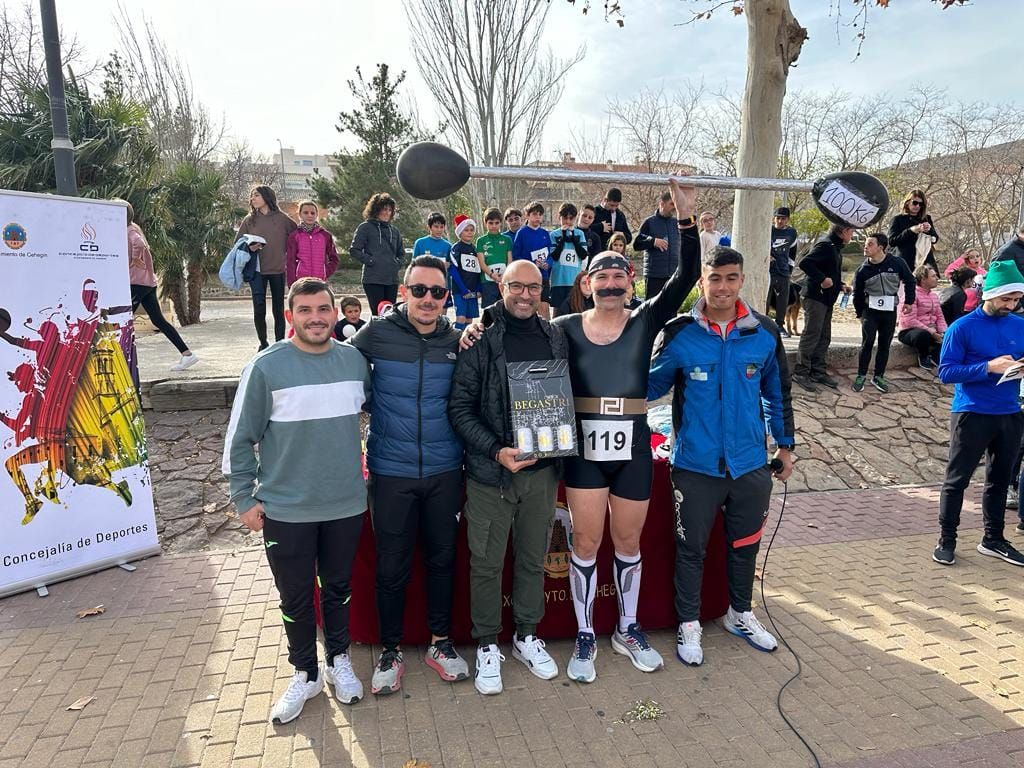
(445, 660)
(688, 648)
(747, 626)
(633, 643)
(347, 688)
(581, 663)
(1003, 550)
(299, 691)
(387, 677)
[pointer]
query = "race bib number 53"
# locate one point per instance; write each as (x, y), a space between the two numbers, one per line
(607, 440)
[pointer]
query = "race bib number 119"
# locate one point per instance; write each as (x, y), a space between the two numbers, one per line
(605, 440)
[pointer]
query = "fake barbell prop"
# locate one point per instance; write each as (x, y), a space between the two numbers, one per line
(430, 171)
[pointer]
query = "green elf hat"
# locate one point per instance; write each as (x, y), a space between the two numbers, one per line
(1003, 277)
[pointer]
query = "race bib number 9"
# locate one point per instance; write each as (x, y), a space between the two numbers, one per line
(470, 263)
(882, 303)
(607, 440)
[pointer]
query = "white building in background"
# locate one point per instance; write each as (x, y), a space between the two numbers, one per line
(296, 169)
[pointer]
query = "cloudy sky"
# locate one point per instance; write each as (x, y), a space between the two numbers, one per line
(278, 71)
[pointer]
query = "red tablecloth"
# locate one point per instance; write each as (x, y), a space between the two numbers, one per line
(656, 610)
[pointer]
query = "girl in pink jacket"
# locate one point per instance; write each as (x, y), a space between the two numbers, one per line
(922, 323)
(310, 250)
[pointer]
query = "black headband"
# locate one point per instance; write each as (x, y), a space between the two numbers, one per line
(609, 260)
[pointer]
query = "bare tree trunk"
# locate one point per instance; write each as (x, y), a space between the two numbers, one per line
(196, 280)
(774, 39)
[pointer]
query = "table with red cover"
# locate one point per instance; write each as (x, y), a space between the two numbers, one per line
(656, 609)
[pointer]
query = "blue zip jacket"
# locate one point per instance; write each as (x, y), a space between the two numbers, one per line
(967, 346)
(410, 435)
(724, 389)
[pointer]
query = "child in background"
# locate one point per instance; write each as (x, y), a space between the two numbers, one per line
(493, 250)
(464, 271)
(435, 243)
(533, 242)
(586, 219)
(569, 254)
(350, 320)
(309, 250)
(617, 243)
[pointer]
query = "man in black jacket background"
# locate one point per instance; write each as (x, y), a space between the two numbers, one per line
(503, 493)
(658, 238)
(823, 266)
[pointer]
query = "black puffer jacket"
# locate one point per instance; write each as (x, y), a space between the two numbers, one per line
(822, 261)
(478, 405)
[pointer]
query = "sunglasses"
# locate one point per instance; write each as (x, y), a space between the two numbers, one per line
(915, 202)
(419, 290)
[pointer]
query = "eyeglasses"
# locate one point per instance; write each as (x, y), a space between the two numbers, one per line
(533, 288)
(437, 292)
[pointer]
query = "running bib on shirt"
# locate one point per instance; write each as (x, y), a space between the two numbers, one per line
(496, 270)
(570, 258)
(882, 303)
(470, 263)
(539, 256)
(607, 440)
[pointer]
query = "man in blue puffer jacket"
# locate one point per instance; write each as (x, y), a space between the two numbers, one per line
(415, 463)
(729, 370)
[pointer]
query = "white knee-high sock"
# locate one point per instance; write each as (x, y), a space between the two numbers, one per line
(627, 585)
(583, 575)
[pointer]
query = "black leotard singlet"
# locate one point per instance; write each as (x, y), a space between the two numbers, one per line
(620, 369)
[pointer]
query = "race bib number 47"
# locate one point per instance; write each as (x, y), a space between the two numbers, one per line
(605, 440)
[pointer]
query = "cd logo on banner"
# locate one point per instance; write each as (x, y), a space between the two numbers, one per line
(88, 239)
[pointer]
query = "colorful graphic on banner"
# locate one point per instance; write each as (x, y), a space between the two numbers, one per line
(75, 494)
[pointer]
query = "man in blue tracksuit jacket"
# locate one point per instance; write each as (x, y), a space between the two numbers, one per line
(415, 463)
(729, 370)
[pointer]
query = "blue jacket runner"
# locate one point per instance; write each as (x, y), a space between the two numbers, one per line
(724, 389)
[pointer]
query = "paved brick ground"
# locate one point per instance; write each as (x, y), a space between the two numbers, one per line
(906, 663)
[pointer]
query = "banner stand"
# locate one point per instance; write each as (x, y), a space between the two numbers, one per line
(75, 490)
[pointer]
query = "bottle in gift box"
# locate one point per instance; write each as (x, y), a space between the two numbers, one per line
(545, 439)
(524, 439)
(565, 438)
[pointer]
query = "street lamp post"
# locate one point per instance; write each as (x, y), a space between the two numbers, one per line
(63, 149)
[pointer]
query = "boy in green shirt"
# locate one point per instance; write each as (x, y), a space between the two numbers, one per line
(494, 250)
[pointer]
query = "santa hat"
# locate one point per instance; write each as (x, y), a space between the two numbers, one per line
(461, 222)
(1003, 277)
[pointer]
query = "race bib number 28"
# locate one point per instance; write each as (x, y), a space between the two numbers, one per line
(605, 440)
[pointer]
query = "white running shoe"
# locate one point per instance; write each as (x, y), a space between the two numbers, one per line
(187, 361)
(488, 670)
(688, 648)
(299, 691)
(747, 626)
(633, 643)
(347, 688)
(530, 651)
(581, 663)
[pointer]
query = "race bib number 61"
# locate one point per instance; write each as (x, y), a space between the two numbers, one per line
(605, 440)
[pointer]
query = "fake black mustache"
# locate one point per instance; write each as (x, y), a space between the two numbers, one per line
(604, 292)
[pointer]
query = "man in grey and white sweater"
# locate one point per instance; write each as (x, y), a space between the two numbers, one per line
(299, 402)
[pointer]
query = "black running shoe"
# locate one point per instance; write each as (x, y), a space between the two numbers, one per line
(805, 382)
(1020, 527)
(824, 378)
(943, 554)
(1003, 550)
